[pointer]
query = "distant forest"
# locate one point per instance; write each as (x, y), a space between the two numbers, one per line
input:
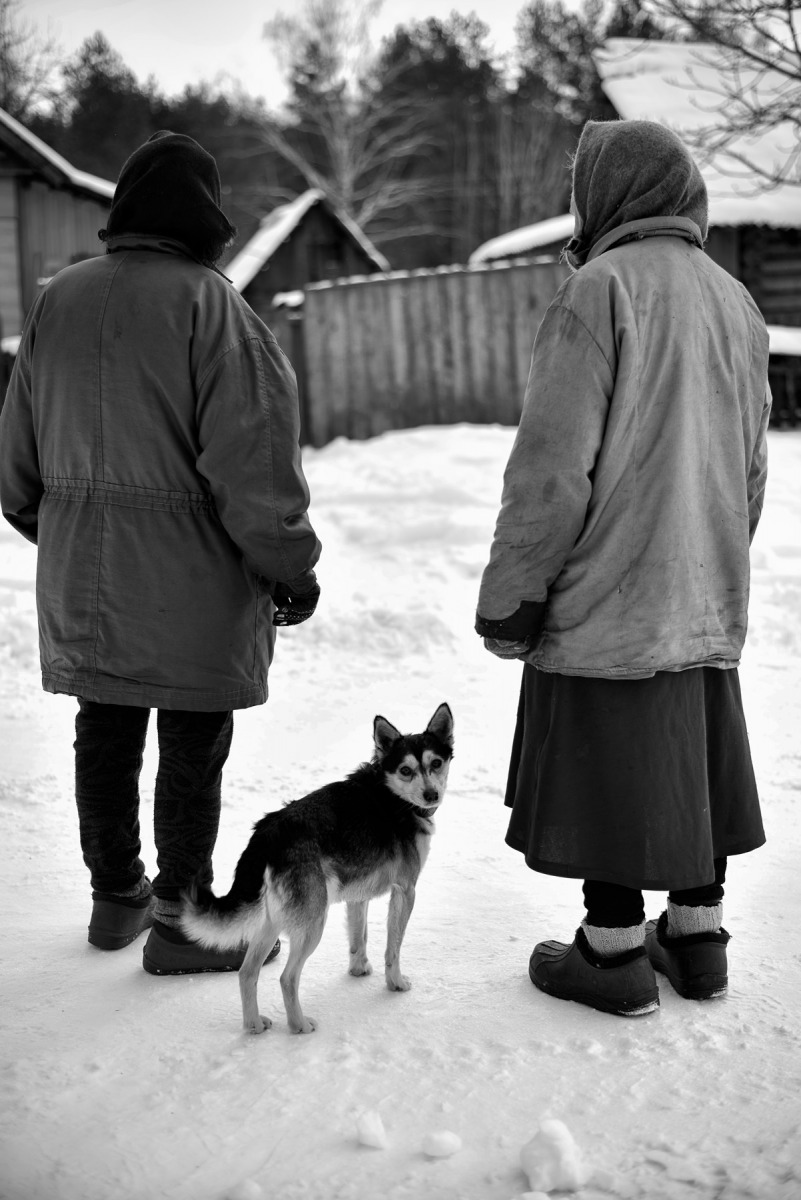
(426, 142)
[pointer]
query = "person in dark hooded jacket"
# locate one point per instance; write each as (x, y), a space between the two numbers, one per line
(149, 447)
(619, 574)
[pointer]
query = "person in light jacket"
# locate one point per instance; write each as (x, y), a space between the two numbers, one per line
(619, 574)
(149, 448)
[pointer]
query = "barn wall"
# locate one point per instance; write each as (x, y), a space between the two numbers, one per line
(57, 227)
(11, 312)
(770, 267)
(318, 249)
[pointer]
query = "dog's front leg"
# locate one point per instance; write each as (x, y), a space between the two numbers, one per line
(401, 903)
(357, 938)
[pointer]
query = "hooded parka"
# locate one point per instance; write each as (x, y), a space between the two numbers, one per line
(149, 447)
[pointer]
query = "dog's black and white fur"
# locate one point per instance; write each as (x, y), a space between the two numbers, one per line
(352, 840)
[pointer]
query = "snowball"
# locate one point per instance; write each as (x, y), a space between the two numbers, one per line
(247, 1189)
(370, 1130)
(441, 1144)
(552, 1160)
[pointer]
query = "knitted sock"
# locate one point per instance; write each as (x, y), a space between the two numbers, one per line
(683, 919)
(140, 889)
(608, 942)
(168, 912)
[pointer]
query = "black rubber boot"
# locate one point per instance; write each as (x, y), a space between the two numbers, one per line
(168, 951)
(117, 920)
(696, 964)
(624, 984)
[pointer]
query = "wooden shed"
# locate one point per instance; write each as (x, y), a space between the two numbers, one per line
(49, 217)
(305, 241)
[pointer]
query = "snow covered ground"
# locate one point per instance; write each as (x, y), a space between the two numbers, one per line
(118, 1084)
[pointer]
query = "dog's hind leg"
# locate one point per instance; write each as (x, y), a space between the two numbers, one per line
(304, 938)
(401, 903)
(258, 949)
(357, 937)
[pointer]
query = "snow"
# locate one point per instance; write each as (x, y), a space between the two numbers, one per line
(118, 1083)
(370, 1130)
(784, 339)
(78, 179)
(525, 239)
(442, 1143)
(552, 1160)
(684, 87)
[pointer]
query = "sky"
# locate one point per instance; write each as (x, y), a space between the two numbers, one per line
(183, 41)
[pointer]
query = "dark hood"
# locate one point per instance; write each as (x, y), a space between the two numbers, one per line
(170, 187)
(629, 170)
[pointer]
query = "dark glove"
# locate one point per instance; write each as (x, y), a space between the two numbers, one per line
(522, 626)
(292, 605)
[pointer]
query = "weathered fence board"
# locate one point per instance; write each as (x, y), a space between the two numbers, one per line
(420, 347)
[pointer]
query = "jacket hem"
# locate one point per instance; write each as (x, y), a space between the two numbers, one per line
(152, 696)
(630, 672)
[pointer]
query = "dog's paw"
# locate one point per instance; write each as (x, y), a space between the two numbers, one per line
(304, 1026)
(260, 1025)
(398, 983)
(360, 966)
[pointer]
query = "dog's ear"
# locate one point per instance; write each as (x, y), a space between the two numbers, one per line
(441, 725)
(384, 734)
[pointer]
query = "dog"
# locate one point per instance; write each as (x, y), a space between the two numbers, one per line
(349, 841)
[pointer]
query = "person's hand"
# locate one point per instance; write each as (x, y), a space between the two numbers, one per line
(291, 606)
(502, 648)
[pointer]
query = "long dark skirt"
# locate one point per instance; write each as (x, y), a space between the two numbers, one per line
(638, 782)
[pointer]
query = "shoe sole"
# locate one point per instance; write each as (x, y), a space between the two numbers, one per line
(637, 1008)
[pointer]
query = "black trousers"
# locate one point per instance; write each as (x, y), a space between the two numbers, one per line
(612, 906)
(109, 744)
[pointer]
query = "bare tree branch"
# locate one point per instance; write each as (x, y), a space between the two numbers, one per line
(28, 63)
(753, 84)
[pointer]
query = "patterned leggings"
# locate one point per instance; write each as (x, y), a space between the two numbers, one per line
(109, 744)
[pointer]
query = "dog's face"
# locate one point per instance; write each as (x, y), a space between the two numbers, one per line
(416, 766)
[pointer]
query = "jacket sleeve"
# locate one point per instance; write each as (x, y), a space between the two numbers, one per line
(548, 478)
(758, 469)
(248, 426)
(21, 487)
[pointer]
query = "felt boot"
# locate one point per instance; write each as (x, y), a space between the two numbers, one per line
(623, 984)
(696, 964)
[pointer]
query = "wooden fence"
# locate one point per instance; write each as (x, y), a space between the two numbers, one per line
(416, 348)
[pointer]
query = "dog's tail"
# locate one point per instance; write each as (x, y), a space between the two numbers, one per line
(225, 922)
(219, 922)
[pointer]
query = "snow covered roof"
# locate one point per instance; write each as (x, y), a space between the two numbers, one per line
(681, 86)
(785, 339)
(524, 240)
(277, 226)
(38, 154)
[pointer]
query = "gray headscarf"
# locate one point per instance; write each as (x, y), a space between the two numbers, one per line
(626, 170)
